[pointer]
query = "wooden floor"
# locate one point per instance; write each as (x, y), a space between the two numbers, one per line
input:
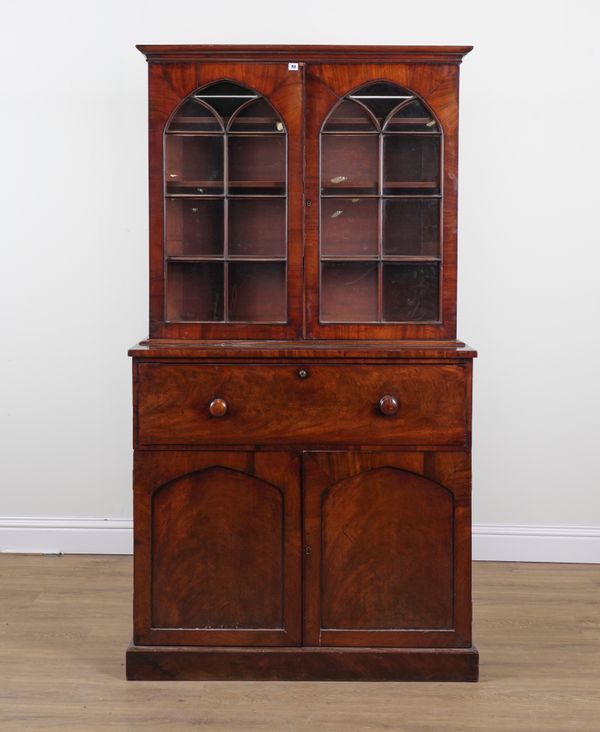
(65, 624)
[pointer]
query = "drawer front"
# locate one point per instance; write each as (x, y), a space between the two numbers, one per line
(304, 405)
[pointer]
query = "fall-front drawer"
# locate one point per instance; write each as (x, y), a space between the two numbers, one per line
(417, 404)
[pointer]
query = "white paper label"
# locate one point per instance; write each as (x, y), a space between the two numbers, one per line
(292, 67)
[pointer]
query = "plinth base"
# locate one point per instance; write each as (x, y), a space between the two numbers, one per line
(193, 663)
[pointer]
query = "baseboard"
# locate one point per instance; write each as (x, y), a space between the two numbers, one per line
(498, 543)
(66, 536)
(506, 543)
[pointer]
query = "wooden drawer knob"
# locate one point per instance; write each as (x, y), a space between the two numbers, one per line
(388, 405)
(218, 407)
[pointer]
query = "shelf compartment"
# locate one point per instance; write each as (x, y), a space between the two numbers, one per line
(349, 226)
(194, 116)
(382, 97)
(350, 163)
(349, 292)
(411, 227)
(411, 116)
(350, 116)
(410, 292)
(257, 227)
(194, 227)
(258, 116)
(257, 292)
(411, 163)
(225, 97)
(195, 291)
(194, 164)
(257, 163)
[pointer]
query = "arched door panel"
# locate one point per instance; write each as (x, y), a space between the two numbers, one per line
(217, 558)
(382, 548)
(220, 543)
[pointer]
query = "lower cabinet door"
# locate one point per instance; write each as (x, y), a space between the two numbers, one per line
(387, 558)
(217, 548)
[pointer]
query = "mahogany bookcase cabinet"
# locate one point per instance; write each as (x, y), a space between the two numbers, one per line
(302, 408)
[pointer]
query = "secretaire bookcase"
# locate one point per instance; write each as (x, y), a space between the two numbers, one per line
(302, 408)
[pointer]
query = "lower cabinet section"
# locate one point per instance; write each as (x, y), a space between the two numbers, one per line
(321, 550)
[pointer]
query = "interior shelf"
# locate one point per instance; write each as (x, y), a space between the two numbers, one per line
(236, 183)
(433, 133)
(223, 258)
(239, 121)
(376, 258)
(411, 184)
(220, 196)
(388, 184)
(392, 196)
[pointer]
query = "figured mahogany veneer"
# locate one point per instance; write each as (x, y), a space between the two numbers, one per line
(218, 548)
(274, 404)
(302, 408)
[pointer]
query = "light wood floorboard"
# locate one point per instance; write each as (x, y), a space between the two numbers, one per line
(65, 622)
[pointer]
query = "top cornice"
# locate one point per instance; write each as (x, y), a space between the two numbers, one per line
(314, 54)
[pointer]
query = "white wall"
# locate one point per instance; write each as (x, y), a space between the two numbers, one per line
(74, 231)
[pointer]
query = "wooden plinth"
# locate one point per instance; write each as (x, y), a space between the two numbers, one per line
(189, 663)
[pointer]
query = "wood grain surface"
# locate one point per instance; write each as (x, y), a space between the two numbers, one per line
(65, 621)
(217, 548)
(272, 404)
(303, 53)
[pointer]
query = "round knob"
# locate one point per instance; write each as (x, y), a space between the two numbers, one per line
(218, 407)
(388, 405)
(303, 373)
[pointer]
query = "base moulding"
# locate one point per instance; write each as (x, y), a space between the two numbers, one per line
(193, 663)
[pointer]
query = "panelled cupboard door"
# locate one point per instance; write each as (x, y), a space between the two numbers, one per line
(226, 186)
(381, 189)
(387, 552)
(217, 558)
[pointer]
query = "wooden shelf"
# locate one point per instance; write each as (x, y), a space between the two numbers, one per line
(411, 184)
(243, 120)
(411, 121)
(256, 184)
(221, 196)
(376, 258)
(410, 258)
(385, 132)
(328, 186)
(386, 184)
(223, 258)
(229, 133)
(220, 184)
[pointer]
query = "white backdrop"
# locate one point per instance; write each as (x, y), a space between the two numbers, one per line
(74, 242)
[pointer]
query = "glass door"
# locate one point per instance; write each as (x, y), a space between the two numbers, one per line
(379, 256)
(230, 181)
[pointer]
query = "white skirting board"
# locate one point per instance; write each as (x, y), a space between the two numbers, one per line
(496, 543)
